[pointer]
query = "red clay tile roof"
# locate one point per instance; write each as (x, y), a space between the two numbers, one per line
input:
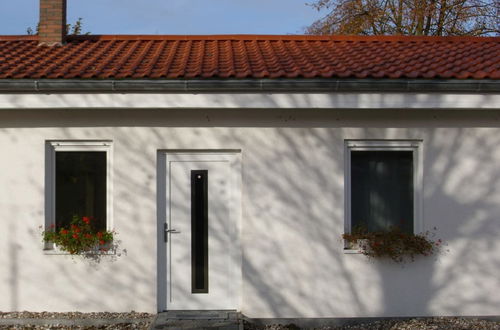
(250, 56)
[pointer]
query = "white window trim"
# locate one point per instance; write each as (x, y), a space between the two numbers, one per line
(415, 146)
(51, 147)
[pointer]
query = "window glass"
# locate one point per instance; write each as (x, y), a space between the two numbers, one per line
(382, 190)
(80, 187)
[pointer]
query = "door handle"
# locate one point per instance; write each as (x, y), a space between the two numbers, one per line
(169, 231)
(172, 231)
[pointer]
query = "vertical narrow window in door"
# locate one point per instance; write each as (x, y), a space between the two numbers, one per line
(199, 231)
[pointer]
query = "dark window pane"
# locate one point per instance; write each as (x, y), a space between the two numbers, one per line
(81, 187)
(199, 231)
(382, 190)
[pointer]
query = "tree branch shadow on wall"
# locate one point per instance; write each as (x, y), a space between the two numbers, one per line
(294, 206)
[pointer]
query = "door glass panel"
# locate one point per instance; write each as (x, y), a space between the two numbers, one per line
(199, 231)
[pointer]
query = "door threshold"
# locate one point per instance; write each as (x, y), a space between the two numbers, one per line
(201, 314)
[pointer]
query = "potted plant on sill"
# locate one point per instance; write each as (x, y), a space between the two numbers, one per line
(394, 244)
(80, 238)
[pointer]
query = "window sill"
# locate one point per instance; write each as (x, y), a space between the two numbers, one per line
(354, 247)
(351, 251)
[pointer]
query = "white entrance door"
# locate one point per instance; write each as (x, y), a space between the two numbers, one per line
(202, 231)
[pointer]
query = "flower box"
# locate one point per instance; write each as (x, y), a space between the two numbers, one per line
(393, 244)
(80, 238)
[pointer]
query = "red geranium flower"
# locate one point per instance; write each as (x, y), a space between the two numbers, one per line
(88, 236)
(86, 220)
(64, 231)
(75, 236)
(102, 242)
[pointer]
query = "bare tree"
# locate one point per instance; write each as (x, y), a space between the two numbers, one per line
(408, 17)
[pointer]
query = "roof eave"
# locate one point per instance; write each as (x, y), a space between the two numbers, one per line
(44, 86)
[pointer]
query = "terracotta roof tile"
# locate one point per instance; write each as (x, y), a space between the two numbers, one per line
(250, 56)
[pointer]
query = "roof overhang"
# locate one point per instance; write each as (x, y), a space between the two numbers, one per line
(47, 86)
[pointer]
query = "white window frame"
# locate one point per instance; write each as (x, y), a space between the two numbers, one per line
(415, 146)
(51, 147)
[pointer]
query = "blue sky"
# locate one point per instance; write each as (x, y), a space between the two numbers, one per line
(169, 16)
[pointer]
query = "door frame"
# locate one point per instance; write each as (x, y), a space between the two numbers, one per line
(161, 215)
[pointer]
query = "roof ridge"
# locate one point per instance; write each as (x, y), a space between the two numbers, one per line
(251, 37)
(18, 37)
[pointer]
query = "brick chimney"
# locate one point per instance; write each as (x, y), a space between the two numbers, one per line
(52, 30)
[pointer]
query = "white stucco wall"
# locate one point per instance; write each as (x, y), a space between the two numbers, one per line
(252, 101)
(293, 210)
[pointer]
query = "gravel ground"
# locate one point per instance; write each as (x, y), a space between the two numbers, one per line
(436, 323)
(75, 320)
(134, 320)
(117, 326)
(74, 315)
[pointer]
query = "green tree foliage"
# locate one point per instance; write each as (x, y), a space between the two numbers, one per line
(408, 17)
(75, 29)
